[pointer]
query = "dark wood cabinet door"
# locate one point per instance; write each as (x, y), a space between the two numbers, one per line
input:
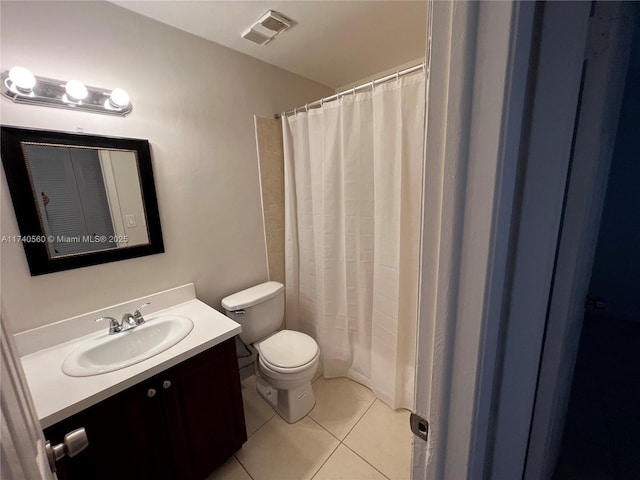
(205, 417)
(127, 439)
(180, 424)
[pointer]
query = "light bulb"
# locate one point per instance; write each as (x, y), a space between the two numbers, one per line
(22, 79)
(119, 98)
(76, 90)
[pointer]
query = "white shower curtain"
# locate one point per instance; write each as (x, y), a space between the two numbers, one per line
(353, 179)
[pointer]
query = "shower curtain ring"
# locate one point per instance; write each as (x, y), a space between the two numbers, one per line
(306, 107)
(322, 102)
(295, 111)
(397, 76)
(354, 91)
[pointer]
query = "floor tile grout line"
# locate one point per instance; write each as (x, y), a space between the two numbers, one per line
(243, 467)
(309, 414)
(341, 442)
(360, 418)
(365, 460)
(323, 427)
(354, 425)
(261, 426)
(327, 459)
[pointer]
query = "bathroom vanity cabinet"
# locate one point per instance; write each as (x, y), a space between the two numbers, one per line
(179, 424)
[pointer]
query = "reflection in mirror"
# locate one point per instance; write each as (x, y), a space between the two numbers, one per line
(88, 199)
(80, 200)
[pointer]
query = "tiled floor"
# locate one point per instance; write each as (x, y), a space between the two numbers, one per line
(602, 427)
(349, 435)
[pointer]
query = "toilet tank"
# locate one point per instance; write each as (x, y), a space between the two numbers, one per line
(259, 310)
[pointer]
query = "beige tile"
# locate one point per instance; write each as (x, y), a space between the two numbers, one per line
(230, 470)
(275, 239)
(273, 187)
(343, 464)
(269, 135)
(340, 403)
(257, 411)
(382, 437)
(282, 451)
(276, 267)
(274, 216)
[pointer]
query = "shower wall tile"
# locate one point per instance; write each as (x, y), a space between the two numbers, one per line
(271, 161)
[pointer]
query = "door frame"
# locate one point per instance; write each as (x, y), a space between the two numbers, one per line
(494, 207)
(477, 90)
(23, 445)
(607, 59)
(562, 44)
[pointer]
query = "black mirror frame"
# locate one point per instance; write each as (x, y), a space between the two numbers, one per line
(26, 208)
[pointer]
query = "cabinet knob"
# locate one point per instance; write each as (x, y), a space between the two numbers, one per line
(166, 384)
(74, 442)
(151, 392)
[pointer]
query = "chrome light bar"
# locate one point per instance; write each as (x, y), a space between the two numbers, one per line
(49, 92)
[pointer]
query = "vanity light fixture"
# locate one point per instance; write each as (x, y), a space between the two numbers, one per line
(119, 98)
(75, 91)
(21, 80)
(22, 86)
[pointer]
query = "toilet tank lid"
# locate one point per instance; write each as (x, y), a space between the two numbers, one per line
(251, 296)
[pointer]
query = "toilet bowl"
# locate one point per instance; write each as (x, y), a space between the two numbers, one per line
(287, 360)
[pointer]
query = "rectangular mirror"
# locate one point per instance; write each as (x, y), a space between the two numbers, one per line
(80, 199)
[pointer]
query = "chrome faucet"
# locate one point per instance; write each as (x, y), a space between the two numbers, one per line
(114, 325)
(138, 316)
(128, 321)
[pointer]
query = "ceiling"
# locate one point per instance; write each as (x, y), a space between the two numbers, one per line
(332, 42)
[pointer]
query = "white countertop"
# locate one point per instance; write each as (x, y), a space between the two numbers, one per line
(58, 396)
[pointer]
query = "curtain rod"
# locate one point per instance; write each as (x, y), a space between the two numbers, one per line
(319, 103)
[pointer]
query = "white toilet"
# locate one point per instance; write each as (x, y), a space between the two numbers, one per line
(287, 360)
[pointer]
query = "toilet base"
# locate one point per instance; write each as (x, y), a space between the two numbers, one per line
(292, 404)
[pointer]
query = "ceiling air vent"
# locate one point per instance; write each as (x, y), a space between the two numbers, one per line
(274, 21)
(256, 37)
(264, 30)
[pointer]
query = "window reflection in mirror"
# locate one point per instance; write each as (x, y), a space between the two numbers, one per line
(88, 199)
(80, 200)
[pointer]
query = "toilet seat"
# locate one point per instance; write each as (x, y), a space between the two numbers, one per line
(288, 351)
(275, 368)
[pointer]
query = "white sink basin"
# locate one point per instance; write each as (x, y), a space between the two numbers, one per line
(106, 353)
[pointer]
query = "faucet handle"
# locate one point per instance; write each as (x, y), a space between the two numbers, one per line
(114, 325)
(137, 315)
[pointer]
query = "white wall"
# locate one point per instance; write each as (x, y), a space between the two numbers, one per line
(122, 185)
(127, 181)
(383, 73)
(194, 101)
